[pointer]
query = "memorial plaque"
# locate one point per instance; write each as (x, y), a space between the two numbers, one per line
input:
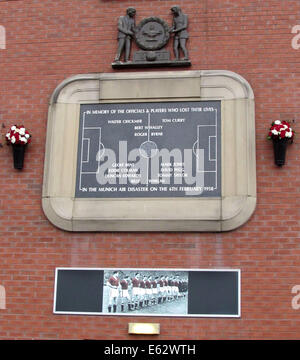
(157, 151)
(161, 149)
(148, 292)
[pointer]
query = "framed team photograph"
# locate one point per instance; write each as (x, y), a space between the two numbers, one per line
(145, 292)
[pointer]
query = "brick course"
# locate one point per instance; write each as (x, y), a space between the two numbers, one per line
(50, 40)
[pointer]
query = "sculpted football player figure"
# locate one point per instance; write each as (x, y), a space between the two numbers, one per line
(126, 27)
(180, 24)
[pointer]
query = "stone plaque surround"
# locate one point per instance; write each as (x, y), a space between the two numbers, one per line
(238, 164)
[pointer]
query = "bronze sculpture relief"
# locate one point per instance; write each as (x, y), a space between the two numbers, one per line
(152, 33)
(180, 24)
(151, 36)
(126, 27)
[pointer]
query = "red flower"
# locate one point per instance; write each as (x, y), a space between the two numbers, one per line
(282, 134)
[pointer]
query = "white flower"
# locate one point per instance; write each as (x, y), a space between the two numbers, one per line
(288, 134)
(8, 136)
(13, 139)
(277, 122)
(27, 136)
(23, 139)
(22, 131)
(275, 132)
(13, 128)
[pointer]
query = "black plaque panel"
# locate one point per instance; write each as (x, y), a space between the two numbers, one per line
(155, 292)
(79, 290)
(221, 288)
(163, 149)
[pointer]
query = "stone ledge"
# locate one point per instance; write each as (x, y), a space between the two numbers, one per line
(150, 64)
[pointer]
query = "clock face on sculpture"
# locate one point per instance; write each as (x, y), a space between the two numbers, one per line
(152, 33)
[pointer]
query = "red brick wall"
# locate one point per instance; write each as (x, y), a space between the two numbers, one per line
(50, 40)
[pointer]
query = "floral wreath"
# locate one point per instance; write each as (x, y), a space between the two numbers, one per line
(18, 135)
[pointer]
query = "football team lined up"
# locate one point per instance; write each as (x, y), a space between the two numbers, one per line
(143, 291)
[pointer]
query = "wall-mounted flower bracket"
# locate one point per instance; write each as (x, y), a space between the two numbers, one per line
(281, 135)
(18, 137)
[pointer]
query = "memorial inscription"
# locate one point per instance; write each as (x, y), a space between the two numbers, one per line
(161, 149)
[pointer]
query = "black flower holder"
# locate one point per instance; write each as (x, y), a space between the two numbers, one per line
(18, 137)
(281, 135)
